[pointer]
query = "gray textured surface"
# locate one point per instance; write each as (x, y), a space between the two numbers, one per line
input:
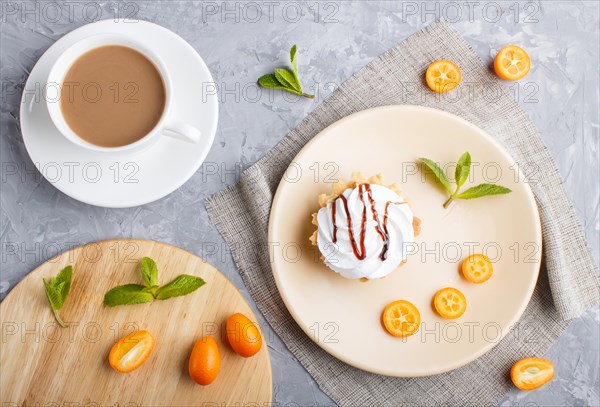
(335, 39)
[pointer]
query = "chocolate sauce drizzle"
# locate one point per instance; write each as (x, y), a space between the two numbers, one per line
(359, 253)
(381, 229)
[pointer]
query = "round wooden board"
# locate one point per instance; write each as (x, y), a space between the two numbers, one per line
(43, 364)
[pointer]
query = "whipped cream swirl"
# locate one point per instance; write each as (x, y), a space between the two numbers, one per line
(366, 232)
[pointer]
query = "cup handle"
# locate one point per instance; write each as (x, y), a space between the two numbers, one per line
(182, 131)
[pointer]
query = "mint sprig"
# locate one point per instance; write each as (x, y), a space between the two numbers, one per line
(57, 289)
(284, 79)
(130, 294)
(461, 174)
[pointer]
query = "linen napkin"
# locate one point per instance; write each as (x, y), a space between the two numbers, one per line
(568, 282)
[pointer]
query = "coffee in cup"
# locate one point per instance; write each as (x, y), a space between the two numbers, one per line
(116, 95)
(112, 96)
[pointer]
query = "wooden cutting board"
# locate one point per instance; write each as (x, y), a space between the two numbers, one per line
(44, 364)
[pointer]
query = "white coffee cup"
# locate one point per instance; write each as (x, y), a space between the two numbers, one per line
(167, 125)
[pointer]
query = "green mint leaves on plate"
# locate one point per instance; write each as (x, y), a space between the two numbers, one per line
(285, 79)
(57, 289)
(138, 294)
(463, 168)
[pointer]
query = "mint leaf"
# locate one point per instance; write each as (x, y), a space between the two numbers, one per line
(54, 295)
(483, 190)
(270, 81)
(149, 271)
(54, 298)
(127, 295)
(287, 79)
(57, 289)
(438, 172)
(64, 278)
(294, 62)
(463, 167)
(182, 285)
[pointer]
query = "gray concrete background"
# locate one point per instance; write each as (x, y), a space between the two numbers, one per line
(241, 41)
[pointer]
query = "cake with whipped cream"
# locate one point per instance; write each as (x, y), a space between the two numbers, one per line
(364, 228)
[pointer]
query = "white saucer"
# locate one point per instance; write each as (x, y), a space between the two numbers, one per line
(123, 180)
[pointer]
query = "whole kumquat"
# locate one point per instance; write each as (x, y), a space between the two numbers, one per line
(531, 373)
(401, 318)
(477, 268)
(442, 76)
(243, 335)
(131, 351)
(512, 63)
(205, 361)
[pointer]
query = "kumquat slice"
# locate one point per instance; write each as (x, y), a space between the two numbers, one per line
(443, 76)
(477, 268)
(512, 63)
(450, 303)
(401, 318)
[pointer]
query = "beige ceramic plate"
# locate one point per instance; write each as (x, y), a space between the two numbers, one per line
(344, 316)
